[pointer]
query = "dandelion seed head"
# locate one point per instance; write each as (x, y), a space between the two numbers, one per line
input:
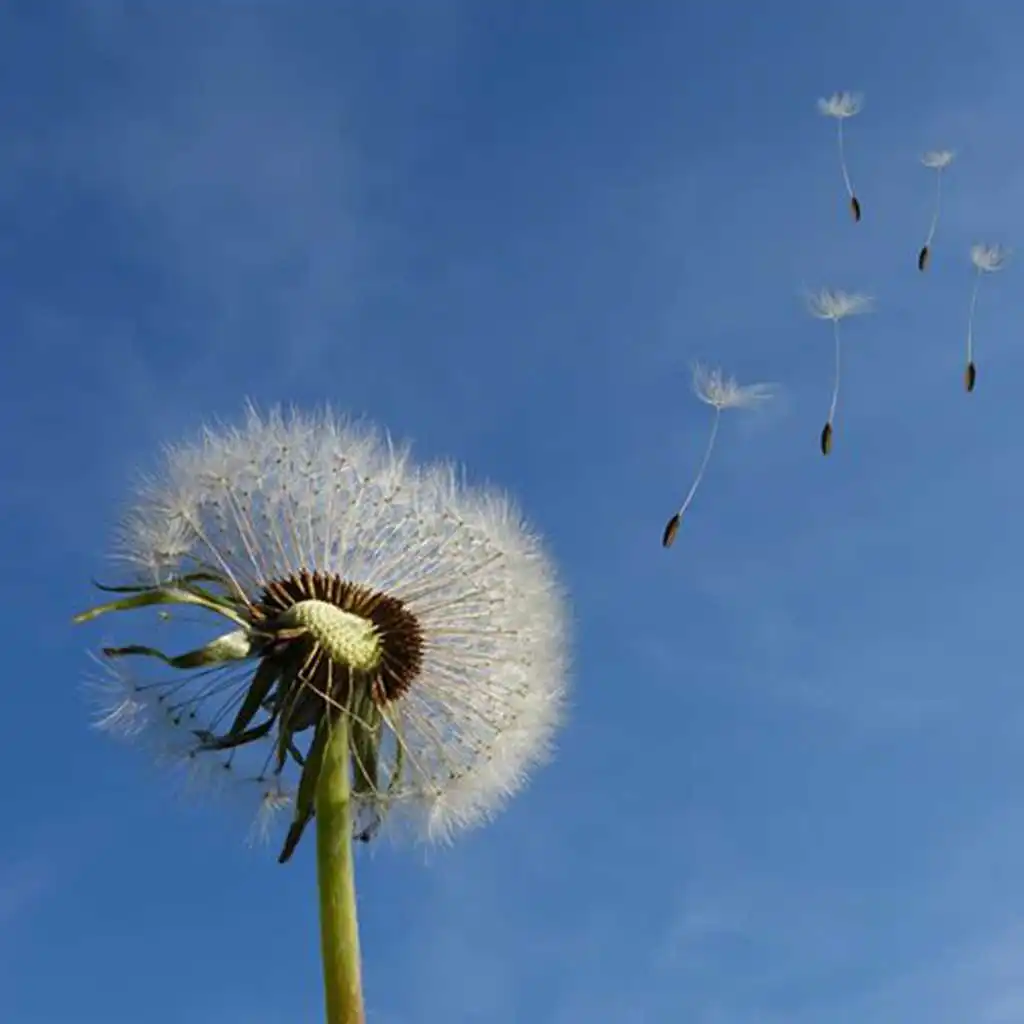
(714, 388)
(841, 105)
(938, 159)
(324, 530)
(832, 304)
(990, 258)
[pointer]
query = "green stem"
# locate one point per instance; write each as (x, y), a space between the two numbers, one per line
(339, 928)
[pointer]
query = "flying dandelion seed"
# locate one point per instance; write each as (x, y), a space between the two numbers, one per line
(720, 392)
(938, 160)
(987, 259)
(396, 652)
(835, 306)
(842, 106)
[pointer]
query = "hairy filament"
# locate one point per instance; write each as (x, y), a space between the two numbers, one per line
(703, 466)
(970, 317)
(842, 159)
(835, 383)
(938, 206)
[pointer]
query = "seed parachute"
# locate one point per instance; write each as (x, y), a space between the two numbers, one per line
(938, 160)
(835, 306)
(720, 392)
(987, 259)
(842, 106)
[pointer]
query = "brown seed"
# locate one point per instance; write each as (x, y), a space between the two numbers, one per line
(670, 531)
(922, 258)
(970, 375)
(855, 208)
(826, 439)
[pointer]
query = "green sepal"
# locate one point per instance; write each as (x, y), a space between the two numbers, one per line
(263, 679)
(184, 580)
(164, 595)
(211, 741)
(399, 763)
(366, 728)
(213, 653)
(305, 797)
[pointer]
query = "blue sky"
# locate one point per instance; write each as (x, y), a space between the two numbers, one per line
(790, 790)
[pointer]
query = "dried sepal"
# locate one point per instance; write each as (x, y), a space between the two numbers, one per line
(671, 529)
(826, 439)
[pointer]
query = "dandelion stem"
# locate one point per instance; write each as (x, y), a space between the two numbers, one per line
(842, 159)
(970, 317)
(339, 928)
(938, 205)
(704, 463)
(835, 384)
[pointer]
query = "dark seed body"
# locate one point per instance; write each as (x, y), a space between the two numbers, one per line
(855, 208)
(826, 439)
(670, 531)
(970, 376)
(922, 258)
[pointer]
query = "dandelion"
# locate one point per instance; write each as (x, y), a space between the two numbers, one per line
(987, 259)
(841, 106)
(720, 392)
(938, 160)
(395, 646)
(835, 306)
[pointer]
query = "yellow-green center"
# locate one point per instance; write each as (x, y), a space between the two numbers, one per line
(347, 639)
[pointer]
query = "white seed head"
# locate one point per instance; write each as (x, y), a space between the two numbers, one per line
(722, 392)
(832, 304)
(841, 104)
(990, 258)
(938, 159)
(285, 494)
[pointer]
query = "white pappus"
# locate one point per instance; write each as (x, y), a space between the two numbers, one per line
(310, 536)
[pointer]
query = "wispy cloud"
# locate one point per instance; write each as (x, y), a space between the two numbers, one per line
(23, 883)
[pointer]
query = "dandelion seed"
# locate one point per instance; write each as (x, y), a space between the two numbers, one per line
(720, 392)
(987, 259)
(274, 801)
(842, 106)
(937, 160)
(835, 306)
(395, 653)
